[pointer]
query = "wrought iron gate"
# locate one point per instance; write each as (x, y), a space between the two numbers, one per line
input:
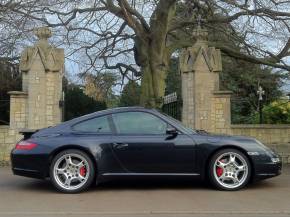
(4, 111)
(172, 105)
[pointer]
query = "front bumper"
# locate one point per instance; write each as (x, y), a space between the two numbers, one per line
(268, 170)
(266, 165)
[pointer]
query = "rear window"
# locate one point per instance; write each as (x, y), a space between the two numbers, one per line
(95, 125)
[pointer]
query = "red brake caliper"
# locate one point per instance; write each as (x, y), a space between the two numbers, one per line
(83, 171)
(219, 170)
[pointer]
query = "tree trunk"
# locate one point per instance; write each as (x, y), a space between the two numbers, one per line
(153, 82)
(154, 56)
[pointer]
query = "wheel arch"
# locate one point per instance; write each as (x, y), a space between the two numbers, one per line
(228, 147)
(72, 146)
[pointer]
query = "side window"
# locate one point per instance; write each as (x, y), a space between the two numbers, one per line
(139, 123)
(95, 125)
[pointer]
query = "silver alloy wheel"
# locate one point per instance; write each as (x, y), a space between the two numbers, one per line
(71, 171)
(230, 170)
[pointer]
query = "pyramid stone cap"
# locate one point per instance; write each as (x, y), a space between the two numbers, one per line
(52, 58)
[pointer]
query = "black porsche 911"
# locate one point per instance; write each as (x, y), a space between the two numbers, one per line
(141, 142)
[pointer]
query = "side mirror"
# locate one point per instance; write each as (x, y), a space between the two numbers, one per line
(172, 131)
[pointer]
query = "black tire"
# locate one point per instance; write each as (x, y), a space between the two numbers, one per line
(90, 177)
(213, 177)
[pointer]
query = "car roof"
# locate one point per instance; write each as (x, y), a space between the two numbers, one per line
(121, 109)
(108, 111)
(116, 109)
(67, 124)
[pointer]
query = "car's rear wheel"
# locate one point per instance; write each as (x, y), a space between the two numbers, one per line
(229, 169)
(72, 171)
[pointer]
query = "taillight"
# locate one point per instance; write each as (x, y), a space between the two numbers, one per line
(25, 145)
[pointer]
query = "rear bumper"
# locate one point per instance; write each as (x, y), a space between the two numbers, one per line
(28, 173)
(29, 165)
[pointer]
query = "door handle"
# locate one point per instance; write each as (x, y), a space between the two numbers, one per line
(120, 145)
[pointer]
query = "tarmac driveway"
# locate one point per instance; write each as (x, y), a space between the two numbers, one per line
(28, 197)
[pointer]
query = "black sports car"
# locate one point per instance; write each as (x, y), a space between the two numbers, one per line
(141, 142)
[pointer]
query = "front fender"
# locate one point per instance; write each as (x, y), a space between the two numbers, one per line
(208, 145)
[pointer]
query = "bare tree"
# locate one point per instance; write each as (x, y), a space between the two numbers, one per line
(138, 37)
(15, 30)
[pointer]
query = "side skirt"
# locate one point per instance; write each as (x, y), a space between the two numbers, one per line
(150, 174)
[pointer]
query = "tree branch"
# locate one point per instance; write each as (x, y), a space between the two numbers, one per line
(239, 55)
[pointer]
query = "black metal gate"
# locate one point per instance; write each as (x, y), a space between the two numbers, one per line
(172, 105)
(4, 112)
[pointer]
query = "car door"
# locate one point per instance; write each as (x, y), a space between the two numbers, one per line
(142, 145)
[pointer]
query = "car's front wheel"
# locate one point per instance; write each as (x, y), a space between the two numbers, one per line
(229, 169)
(72, 171)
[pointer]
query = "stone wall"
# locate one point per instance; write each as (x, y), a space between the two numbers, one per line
(8, 137)
(3, 147)
(9, 134)
(3, 135)
(275, 136)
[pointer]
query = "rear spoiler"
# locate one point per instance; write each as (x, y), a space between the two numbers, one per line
(27, 133)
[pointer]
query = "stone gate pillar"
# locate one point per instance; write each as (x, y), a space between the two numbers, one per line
(42, 67)
(199, 67)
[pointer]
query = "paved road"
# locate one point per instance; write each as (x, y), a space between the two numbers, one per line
(168, 198)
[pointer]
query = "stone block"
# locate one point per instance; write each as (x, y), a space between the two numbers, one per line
(10, 139)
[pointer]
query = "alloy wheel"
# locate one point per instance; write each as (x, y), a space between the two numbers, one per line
(71, 171)
(230, 170)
